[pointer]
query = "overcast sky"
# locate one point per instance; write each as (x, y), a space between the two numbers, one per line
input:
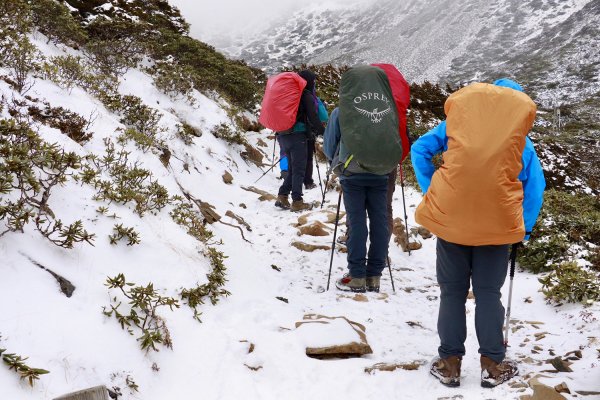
(210, 18)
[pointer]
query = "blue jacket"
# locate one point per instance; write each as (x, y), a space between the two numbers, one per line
(532, 176)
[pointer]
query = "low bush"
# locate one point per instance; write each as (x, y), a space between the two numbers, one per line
(568, 282)
(68, 122)
(54, 20)
(225, 132)
(17, 363)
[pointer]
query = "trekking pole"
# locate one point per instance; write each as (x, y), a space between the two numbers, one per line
(269, 170)
(326, 186)
(274, 143)
(319, 175)
(389, 262)
(513, 261)
(337, 219)
(404, 204)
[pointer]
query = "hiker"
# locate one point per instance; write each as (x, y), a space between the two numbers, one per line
(294, 143)
(362, 144)
(487, 195)
(309, 183)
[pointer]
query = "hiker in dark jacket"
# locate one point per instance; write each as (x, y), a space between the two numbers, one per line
(488, 195)
(309, 182)
(363, 193)
(295, 146)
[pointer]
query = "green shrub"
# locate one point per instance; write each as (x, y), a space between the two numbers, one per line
(141, 315)
(565, 220)
(225, 132)
(194, 297)
(17, 363)
(68, 122)
(185, 214)
(187, 133)
(68, 71)
(29, 171)
(568, 282)
(121, 233)
(173, 79)
(54, 20)
(127, 183)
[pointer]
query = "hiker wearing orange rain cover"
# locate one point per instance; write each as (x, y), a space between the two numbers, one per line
(486, 195)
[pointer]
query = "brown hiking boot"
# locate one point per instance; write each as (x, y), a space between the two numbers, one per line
(282, 202)
(299, 205)
(493, 374)
(447, 370)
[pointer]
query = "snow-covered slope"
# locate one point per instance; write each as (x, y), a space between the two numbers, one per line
(81, 347)
(547, 44)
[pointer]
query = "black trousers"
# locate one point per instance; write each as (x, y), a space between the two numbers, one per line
(295, 147)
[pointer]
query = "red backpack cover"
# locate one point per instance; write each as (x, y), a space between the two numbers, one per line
(281, 101)
(401, 93)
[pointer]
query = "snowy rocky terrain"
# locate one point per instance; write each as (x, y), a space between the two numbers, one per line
(247, 345)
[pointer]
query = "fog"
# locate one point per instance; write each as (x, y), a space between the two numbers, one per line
(211, 19)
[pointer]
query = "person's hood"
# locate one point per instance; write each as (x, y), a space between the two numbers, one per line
(509, 83)
(310, 78)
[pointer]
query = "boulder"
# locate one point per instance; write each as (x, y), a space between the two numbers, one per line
(227, 178)
(315, 228)
(309, 247)
(332, 337)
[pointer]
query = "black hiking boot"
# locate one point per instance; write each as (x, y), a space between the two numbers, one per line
(349, 284)
(447, 370)
(493, 374)
(311, 185)
(282, 202)
(373, 283)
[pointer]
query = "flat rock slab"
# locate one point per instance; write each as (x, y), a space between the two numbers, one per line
(309, 247)
(409, 366)
(316, 228)
(95, 393)
(332, 337)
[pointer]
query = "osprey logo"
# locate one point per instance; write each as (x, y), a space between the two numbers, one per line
(375, 115)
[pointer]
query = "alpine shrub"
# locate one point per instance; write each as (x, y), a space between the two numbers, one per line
(225, 132)
(54, 20)
(140, 313)
(568, 282)
(17, 363)
(123, 233)
(68, 122)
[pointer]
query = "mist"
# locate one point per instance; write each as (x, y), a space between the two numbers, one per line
(213, 19)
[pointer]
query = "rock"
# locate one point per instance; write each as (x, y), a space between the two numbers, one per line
(400, 238)
(267, 197)
(165, 157)
(543, 392)
(65, 285)
(411, 366)
(316, 228)
(261, 143)
(561, 365)
(282, 299)
(587, 393)
(253, 368)
(333, 337)
(562, 388)
(361, 298)
(264, 196)
(95, 393)
(576, 353)
(252, 154)
(309, 247)
(275, 267)
(424, 232)
(471, 295)
(227, 178)
(242, 205)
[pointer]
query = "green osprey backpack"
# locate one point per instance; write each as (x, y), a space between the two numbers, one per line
(368, 118)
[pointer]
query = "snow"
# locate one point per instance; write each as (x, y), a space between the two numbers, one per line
(83, 348)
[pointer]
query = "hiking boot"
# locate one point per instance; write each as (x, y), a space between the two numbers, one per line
(309, 186)
(299, 205)
(493, 374)
(282, 202)
(283, 175)
(342, 239)
(447, 370)
(373, 283)
(349, 284)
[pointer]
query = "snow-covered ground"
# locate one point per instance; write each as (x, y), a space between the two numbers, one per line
(211, 360)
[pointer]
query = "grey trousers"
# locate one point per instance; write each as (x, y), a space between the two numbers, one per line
(457, 266)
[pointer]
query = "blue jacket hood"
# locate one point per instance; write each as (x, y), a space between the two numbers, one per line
(509, 83)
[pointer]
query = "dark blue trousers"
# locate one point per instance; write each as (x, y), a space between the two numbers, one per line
(364, 196)
(294, 146)
(486, 267)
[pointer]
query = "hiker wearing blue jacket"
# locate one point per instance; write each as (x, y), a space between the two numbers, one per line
(363, 193)
(473, 204)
